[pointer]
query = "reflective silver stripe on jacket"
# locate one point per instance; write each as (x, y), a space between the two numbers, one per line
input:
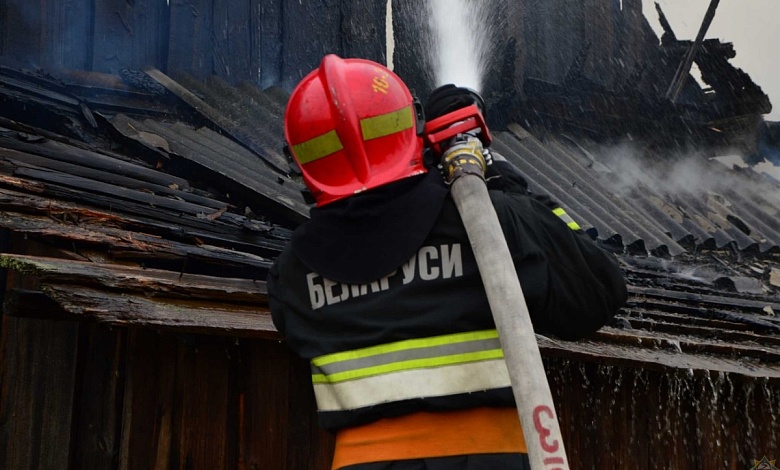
(416, 368)
(566, 218)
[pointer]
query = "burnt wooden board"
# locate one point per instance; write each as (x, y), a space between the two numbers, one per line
(200, 317)
(115, 191)
(147, 282)
(31, 161)
(53, 34)
(121, 244)
(190, 41)
(635, 356)
(652, 340)
(147, 223)
(98, 406)
(707, 299)
(129, 35)
(38, 378)
(674, 324)
(67, 153)
(232, 45)
(302, 53)
(266, 40)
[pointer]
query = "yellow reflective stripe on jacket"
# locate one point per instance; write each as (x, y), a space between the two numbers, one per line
(318, 147)
(386, 124)
(406, 345)
(406, 365)
(417, 368)
(565, 217)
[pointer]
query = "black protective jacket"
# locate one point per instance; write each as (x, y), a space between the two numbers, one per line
(572, 288)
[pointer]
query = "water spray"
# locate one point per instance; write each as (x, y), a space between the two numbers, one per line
(461, 41)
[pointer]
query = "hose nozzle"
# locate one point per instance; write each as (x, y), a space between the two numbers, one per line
(464, 156)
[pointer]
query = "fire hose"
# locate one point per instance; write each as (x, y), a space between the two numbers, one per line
(461, 137)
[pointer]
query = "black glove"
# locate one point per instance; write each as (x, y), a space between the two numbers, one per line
(449, 98)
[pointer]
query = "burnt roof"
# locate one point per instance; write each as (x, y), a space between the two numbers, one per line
(162, 202)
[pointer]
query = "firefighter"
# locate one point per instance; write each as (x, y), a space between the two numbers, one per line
(380, 290)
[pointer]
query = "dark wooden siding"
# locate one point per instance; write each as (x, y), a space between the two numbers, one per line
(77, 396)
(273, 42)
(129, 34)
(616, 417)
(238, 40)
(47, 34)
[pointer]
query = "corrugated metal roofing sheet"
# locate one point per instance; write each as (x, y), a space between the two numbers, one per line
(661, 204)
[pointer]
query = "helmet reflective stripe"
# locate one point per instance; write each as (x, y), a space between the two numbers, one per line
(565, 217)
(318, 147)
(427, 367)
(386, 124)
(372, 127)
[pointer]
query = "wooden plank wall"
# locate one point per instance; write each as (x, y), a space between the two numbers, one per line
(276, 42)
(237, 40)
(49, 34)
(129, 34)
(79, 396)
(613, 417)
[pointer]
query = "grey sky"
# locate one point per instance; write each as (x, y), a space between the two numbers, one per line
(752, 25)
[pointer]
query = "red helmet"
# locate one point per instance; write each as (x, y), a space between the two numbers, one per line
(352, 125)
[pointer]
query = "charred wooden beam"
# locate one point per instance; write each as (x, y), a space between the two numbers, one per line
(643, 340)
(136, 280)
(177, 207)
(668, 32)
(244, 235)
(747, 305)
(685, 66)
(66, 153)
(30, 161)
(661, 359)
(33, 304)
(169, 314)
(46, 92)
(120, 244)
(658, 322)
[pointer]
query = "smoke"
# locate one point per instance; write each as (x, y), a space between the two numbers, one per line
(690, 174)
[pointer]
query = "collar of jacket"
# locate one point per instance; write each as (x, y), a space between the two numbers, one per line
(367, 236)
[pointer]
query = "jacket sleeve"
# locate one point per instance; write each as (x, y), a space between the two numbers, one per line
(571, 285)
